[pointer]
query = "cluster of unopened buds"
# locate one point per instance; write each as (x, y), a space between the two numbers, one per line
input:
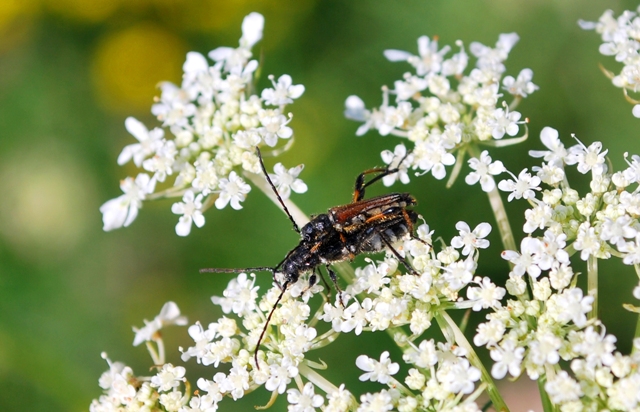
(547, 327)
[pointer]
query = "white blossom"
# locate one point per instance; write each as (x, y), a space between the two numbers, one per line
(483, 170)
(305, 401)
(377, 371)
(123, 210)
(287, 180)
(191, 210)
(283, 92)
(233, 190)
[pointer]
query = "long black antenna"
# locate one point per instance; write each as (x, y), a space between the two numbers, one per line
(266, 325)
(266, 175)
(238, 270)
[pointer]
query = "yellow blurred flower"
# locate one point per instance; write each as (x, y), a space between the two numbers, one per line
(130, 63)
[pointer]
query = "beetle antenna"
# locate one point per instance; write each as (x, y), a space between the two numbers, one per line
(266, 175)
(398, 255)
(266, 325)
(238, 270)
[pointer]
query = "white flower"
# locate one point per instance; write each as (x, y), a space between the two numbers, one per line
(123, 210)
(287, 180)
(202, 338)
(587, 158)
(615, 231)
(587, 241)
(459, 273)
(433, 157)
(424, 356)
(280, 375)
(458, 377)
(206, 179)
(531, 249)
(562, 388)
(429, 59)
(237, 382)
(574, 306)
(307, 401)
(544, 349)
(471, 241)
(502, 121)
(483, 170)
(298, 339)
(149, 142)
(377, 371)
(409, 87)
(274, 127)
(549, 173)
(597, 348)
(557, 153)
(355, 316)
(376, 402)
(392, 160)
(489, 333)
(283, 92)
(169, 315)
(508, 357)
(190, 209)
(239, 296)
(201, 404)
(163, 162)
(235, 59)
(355, 110)
(168, 377)
(522, 186)
(339, 400)
(233, 190)
(522, 86)
(488, 295)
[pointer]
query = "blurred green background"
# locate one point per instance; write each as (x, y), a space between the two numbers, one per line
(71, 71)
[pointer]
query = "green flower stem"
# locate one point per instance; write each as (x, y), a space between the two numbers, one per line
(315, 378)
(449, 328)
(506, 234)
(154, 354)
(634, 350)
(547, 406)
(592, 285)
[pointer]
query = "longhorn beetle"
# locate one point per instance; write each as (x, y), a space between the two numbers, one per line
(363, 226)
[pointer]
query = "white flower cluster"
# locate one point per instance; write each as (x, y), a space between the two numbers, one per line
(534, 334)
(392, 299)
(381, 299)
(211, 126)
(442, 110)
(168, 390)
(621, 38)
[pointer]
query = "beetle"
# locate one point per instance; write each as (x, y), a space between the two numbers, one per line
(344, 232)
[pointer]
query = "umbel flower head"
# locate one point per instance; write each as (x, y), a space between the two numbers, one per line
(210, 127)
(442, 111)
(620, 40)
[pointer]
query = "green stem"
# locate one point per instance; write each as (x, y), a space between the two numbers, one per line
(447, 324)
(547, 406)
(317, 379)
(592, 285)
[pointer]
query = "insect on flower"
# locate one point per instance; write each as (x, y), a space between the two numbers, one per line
(363, 226)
